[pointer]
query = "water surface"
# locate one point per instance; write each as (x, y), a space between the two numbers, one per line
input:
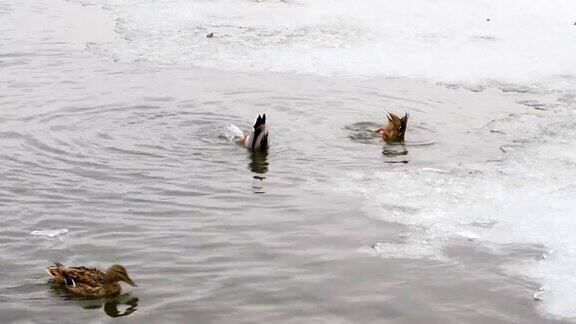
(131, 157)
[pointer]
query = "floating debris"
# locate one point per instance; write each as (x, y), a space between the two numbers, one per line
(50, 233)
(538, 295)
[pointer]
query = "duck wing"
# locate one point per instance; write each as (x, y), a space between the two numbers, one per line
(75, 275)
(94, 291)
(83, 275)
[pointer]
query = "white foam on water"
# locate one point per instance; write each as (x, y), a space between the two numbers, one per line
(469, 235)
(528, 199)
(233, 133)
(50, 233)
(474, 41)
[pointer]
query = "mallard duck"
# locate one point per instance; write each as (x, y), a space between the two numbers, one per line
(394, 131)
(256, 139)
(90, 282)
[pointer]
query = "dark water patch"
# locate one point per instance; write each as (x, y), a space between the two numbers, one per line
(364, 132)
(259, 163)
(538, 105)
(18, 54)
(390, 151)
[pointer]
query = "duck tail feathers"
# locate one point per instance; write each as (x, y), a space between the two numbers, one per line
(260, 120)
(49, 272)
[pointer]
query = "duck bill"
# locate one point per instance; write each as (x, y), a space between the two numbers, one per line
(130, 282)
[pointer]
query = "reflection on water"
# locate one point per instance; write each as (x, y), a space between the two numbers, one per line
(115, 306)
(395, 152)
(258, 163)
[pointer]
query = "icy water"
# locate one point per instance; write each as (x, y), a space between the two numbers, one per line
(113, 150)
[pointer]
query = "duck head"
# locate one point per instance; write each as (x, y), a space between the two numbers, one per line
(118, 273)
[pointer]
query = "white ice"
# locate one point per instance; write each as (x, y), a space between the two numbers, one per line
(473, 41)
(50, 233)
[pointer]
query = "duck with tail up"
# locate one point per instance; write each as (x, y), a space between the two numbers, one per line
(257, 139)
(90, 282)
(396, 128)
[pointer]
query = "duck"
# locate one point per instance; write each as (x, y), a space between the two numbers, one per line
(90, 282)
(256, 139)
(394, 131)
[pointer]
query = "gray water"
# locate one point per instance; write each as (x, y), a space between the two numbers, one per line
(132, 159)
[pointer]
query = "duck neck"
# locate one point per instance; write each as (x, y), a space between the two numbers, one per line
(109, 280)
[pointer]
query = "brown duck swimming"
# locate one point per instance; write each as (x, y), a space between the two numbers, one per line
(90, 282)
(394, 131)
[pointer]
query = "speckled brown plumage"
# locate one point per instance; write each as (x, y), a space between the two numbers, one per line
(90, 281)
(395, 130)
